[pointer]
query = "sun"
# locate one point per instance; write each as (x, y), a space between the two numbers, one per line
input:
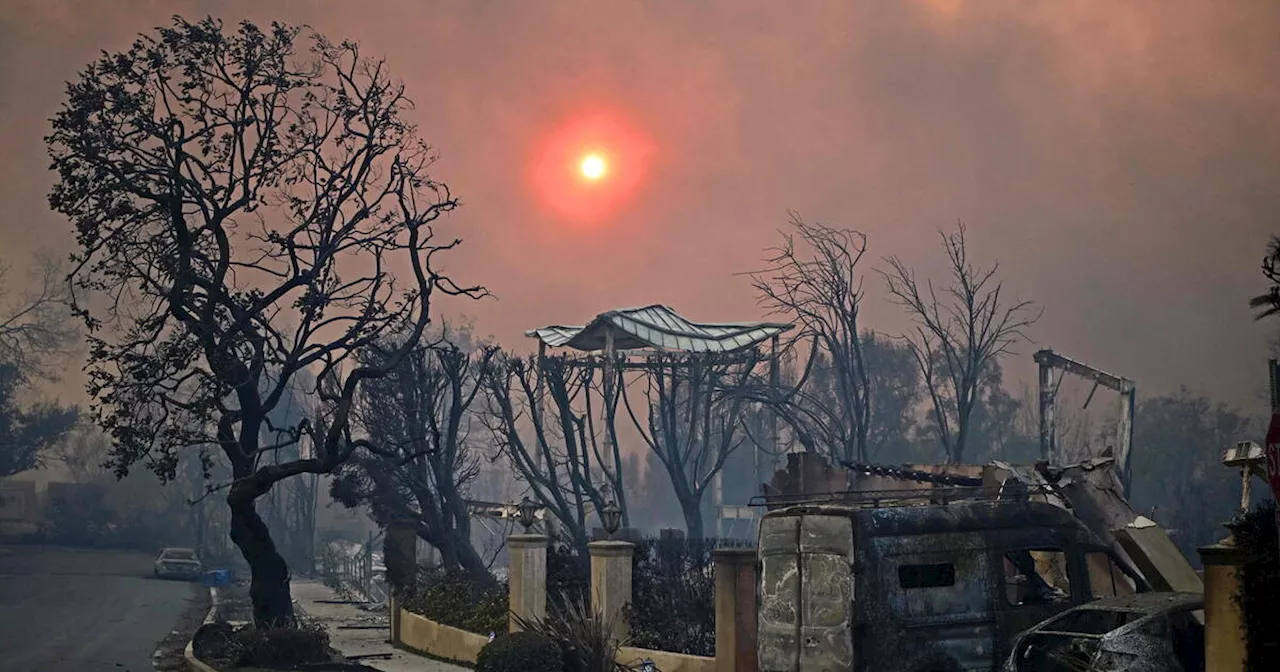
(587, 167)
(593, 167)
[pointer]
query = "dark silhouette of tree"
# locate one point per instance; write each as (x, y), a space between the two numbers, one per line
(28, 433)
(423, 412)
(961, 330)
(547, 432)
(239, 200)
(695, 408)
(36, 328)
(1180, 481)
(813, 279)
(895, 394)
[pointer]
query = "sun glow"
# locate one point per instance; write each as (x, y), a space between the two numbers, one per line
(593, 167)
(586, 168)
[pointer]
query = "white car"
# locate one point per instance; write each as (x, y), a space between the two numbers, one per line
(179, 563)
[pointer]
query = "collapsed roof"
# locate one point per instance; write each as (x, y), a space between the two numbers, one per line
(657, 327)
(1090, 490)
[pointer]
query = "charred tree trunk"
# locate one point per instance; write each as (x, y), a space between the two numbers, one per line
(269, 587)
(455, 552)
(691, 507)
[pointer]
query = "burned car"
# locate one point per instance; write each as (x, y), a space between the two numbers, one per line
(937, 581)
(181, 563)
(1150, 632)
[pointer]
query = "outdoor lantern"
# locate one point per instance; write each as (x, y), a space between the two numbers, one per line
(526, 511)
(611, 516)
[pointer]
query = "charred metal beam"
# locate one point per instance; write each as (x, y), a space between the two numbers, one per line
(1049, 361)
(915, 475)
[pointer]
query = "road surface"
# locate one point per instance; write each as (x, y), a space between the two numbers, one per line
(83, 610)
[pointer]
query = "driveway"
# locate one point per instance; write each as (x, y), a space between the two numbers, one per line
(83, 610)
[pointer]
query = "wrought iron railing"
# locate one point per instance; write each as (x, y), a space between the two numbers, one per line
(356, 572)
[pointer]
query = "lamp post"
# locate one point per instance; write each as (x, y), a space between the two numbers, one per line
(611, 517)
(526, 511)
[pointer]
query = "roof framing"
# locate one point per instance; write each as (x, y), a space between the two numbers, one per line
(657, 327)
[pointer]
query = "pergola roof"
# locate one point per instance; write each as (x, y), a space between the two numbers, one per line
(657, 327)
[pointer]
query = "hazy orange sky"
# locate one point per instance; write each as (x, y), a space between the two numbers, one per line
(1120, 159)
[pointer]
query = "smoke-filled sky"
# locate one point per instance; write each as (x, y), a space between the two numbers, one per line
(1120, 159)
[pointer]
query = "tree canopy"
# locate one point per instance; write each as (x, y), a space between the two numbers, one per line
(250, 206)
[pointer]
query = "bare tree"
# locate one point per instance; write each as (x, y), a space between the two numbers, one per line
(696, 404)
(961, 329)
(812, 278)
(423, 411)
(224, 185)
(546, 429)
(37, 327)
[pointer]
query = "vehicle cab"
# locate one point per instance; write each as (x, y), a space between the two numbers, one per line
(920, 583)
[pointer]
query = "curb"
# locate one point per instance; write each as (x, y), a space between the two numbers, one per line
(194, 664)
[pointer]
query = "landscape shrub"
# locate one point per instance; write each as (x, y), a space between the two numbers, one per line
(673, 604)
(223, 646)
(584, 635)
(521, 652)
(1255, 533)
(456, 599)
(282, 647)
(568, 577)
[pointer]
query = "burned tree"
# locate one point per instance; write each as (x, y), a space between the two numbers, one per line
(422, 412)
(36, 326)
(961, 330)
(541, 416)
(695, 410)
(815, 282)
(239, 199)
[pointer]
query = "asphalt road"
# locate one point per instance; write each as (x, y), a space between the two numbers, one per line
(83, 610)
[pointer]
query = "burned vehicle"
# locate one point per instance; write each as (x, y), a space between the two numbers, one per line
(1151, 632)
(939, 580)
(179, 563)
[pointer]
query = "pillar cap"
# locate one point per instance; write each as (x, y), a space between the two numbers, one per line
(526, 540)
(735, 556)
(610, 548)
(1224, 554)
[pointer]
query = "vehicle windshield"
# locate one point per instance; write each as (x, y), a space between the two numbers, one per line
(1092, 621)
(178, 554)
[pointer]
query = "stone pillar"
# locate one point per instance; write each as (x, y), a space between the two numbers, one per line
(611, 581)
(400, 555)
(1224, 633)
(527, 578)
(735, 609)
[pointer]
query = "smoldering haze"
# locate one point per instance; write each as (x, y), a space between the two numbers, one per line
(1119, 159)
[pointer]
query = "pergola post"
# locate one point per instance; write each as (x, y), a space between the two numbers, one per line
(541, 405)
(609, 444)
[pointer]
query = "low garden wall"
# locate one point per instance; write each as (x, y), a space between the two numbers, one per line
(666, 660)
(669, 600)
(441, 641)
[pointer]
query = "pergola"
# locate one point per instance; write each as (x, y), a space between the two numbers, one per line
(659, 329)
(656, 327)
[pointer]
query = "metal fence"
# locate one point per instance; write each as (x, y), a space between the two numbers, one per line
(357, 568)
